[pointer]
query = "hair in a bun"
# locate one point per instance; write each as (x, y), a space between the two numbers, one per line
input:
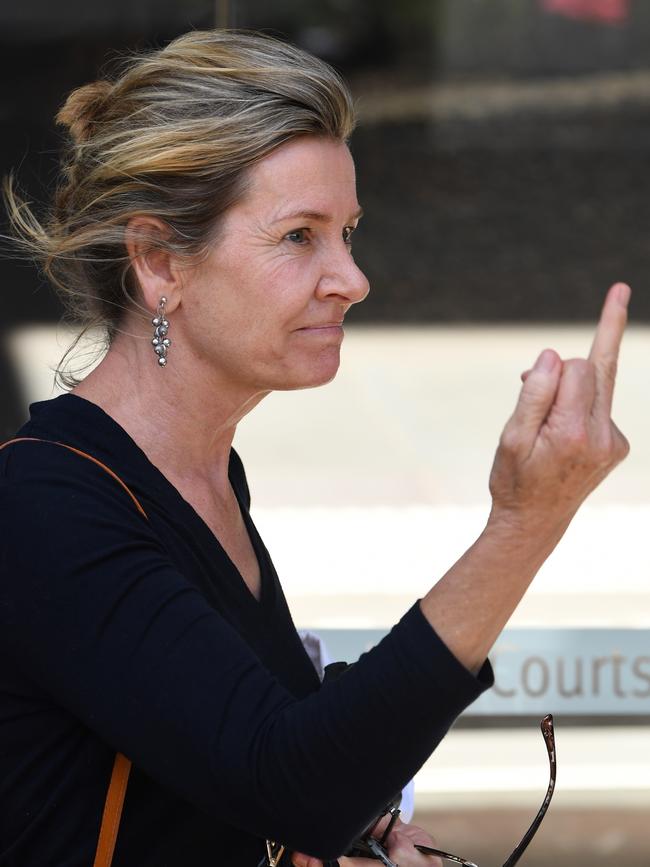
(82, 107)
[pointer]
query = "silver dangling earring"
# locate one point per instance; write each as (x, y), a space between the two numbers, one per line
(161, 342)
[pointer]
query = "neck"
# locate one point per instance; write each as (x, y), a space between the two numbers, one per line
(184, 420)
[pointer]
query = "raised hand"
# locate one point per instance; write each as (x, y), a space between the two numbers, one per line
(560, 441)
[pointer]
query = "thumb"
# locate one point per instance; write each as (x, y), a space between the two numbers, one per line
(299, 859)
(537, 395)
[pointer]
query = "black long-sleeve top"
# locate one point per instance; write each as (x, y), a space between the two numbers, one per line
(119, 633)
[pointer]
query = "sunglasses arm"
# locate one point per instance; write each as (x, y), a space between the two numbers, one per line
(546, 726)
(429, 850)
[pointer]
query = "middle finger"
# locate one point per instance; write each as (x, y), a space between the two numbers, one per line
(606, 345)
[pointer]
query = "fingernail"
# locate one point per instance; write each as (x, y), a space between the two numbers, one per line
(623, 293)
(546, 361)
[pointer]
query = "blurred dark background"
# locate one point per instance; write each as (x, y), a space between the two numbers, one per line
(502, 150)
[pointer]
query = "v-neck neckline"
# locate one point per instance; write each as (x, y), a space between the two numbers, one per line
(266, 582)
(118, 443)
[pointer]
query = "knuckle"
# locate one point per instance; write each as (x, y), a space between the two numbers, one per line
(611, 449)
(510, 441)
(622, 443)
(576, 439)
(622, 447)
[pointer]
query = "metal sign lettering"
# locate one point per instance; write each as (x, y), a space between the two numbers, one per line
(566, 671)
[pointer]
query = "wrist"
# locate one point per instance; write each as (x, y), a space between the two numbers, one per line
(526, 532)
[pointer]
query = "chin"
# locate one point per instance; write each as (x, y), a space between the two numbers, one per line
(313, 375)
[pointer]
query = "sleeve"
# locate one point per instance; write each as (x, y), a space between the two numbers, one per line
(92, 609)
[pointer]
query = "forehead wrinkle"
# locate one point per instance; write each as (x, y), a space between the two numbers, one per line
(316, 216)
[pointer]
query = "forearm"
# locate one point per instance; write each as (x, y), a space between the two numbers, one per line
(473, 601)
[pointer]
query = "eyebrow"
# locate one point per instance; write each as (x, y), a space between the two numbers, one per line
(316, 216)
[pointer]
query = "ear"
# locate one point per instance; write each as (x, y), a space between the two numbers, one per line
(155, 268)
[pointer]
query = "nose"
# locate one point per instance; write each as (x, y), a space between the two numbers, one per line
(344, 279)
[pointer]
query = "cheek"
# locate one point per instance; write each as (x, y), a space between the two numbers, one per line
(251, 308)
(280, 298)
(209, 322)
(294, 285)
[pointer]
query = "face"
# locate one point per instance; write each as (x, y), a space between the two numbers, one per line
(267, 305)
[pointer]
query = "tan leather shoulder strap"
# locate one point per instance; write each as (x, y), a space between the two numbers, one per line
(112, 811)
(85, 455)
(121, 766)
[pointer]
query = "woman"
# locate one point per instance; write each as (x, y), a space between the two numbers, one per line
(209, 187)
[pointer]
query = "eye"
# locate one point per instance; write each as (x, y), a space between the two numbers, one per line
(298, 236)
(347, 234)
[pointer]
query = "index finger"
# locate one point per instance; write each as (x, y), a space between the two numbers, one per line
(606, 345)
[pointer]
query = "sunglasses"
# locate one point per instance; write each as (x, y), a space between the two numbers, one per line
(376, 848)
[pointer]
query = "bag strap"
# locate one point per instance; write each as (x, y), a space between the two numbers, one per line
(121, 766)
(112, 811)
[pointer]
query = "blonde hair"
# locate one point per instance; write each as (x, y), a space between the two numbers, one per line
(170, 137)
